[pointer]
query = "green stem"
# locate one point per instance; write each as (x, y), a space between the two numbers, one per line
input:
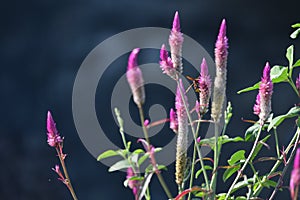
(194, 135)
(293, 141)
(68, 180)
(277, 143)
(245, 164)
(285, 167)
(216, 160)
(159, 176)
(194, 159)
(290, 81)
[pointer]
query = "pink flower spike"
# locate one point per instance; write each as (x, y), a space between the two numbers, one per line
(173, 121)
(135, 78)
(295, 175)
(166, 63)
(204, 87)
(176, 23)
(221, 50)
(265, 92)
(175, 42)
(298, 84)
(54, 138)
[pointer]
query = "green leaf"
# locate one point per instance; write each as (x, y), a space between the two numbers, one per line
(254, 87)
(138, 151)
(290, 55)
(242, 184)
(293, 112)
(295, 34)
(297, 63)
(145, 185)
(258, 147)
(107, 154)
(279, 74)
(143, 158)
(297, 25)
(236, 157)
(123, 164)
(207, 167)
(221, 140)
(230, 171)
(251, 132)
(241, 198)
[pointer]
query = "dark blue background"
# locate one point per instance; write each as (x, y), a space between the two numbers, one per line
(42, 45)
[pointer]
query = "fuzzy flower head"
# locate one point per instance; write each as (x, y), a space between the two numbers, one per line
(265, 93)
(221, 50)
(298, 84)
(175, 41)
(135, 78)
(221, 53)
(182, 135)
(204, 87)
(166, 63)
(295, 175)
(54, 138)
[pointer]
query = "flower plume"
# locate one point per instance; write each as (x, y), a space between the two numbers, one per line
(54, 138)
(204, 87)
(166, 63)
(135, 78)
(221, 53)
(295, 175)
(175, 41)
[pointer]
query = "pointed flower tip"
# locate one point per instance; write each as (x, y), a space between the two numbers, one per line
(51, 127)
(267, 71)
(176, 22)
(298, 84)
(204, 67)
(222, 31)
(132, 61)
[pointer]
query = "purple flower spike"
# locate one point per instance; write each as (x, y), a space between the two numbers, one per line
(182, 134)
(295, 175)
(265, 93)
(166, 63)
(173, 121)
(176, 23)
(135, 78)
(54, 138)
(204, 87)
(221, 53)
(175, 41)
(221, 50)
(298, 84)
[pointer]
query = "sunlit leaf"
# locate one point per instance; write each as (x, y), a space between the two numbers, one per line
(221, 140)
(295, 33)
(236, 157)
(207, 167)
(107, 154)
(230, 171)
(145, 185)
(297, 63)
(297, 25)
(290, 55)
(123, 164)
(293, 112)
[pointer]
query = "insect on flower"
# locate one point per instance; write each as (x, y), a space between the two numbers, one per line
(195, 84)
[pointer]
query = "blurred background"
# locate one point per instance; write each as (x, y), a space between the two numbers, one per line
(43, 43)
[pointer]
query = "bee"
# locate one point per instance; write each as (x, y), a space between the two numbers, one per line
(195, 84)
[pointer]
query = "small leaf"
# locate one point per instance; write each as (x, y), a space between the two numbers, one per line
(123, 164)
(279, 74)
(236, 157)
(293, 112)
(290, 55)
(241, 198)
(242, 184)
(221, 140)
(258, 147)
(143, 158)
(297, 25)
(254, 87)
(145, 185)
(230, 171)
(295, 34)
(251, 132)
(297, 63)
(207, 167)
(107, 154)
(138, 151)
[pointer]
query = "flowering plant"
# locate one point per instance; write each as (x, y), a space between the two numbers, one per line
(183, 124)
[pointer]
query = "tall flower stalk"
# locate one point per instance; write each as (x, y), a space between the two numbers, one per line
(264, 103)
(221, 54)
(56, 141)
